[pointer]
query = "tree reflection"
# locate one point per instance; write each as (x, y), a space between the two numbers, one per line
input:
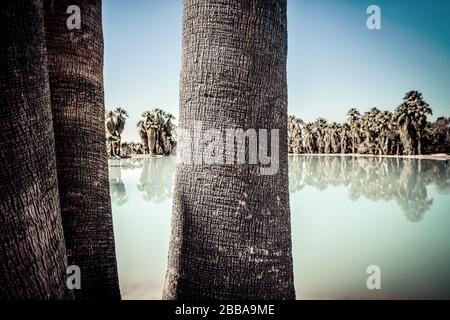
(156, 178)
(118, 191)
(404, 181)
(375, 178)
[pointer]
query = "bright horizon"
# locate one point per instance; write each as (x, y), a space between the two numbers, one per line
(334, 62)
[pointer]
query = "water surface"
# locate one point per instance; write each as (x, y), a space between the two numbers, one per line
(347, 213)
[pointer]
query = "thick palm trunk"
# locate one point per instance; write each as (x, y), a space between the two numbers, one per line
(76, 84)
(231, 235)
(32, 251)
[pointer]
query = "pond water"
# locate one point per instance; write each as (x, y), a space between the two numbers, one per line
(348, 213)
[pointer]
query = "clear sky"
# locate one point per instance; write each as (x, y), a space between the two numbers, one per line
(334, 62)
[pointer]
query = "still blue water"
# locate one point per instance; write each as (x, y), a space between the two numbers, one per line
(348, 213)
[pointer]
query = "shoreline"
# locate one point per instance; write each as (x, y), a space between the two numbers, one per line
(435, 156)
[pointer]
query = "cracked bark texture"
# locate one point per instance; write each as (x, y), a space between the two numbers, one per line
(32, 251)
(75, 62)
(231, 234)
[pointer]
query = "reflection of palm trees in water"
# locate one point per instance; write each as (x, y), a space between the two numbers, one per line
(412, 192)
(295, 174)
(156, 179)
(376, 178)
(117, 187)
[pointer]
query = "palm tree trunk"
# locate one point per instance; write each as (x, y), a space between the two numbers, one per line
(151, 134)
(419, 142)
(231, 234)
(32, 251)
(76, 84)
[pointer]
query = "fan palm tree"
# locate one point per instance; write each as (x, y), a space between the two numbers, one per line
(319, 128)
(75, 60)
(385, 128)
(167, 133)
(421, 111)
(151, 124)
(310, 144)
(119, 120)
(32, 250)
(369, 129)
(344, 137)
(121, 115)
(411, 118)
(111, 134)
(231, 234)
(354, 122)
(295, 136)
(334, 132)
(158, 128)
(327, 138)
(142, 131)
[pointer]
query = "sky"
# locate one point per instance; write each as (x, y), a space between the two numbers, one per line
(334, 61)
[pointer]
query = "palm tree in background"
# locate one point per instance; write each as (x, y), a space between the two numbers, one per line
(111, 134)
(438, 135)
(319, 128)
(120, 117)
(310, 141)
(375, 132)
(231, 234)
(75, 63)
(334, 133)
(114, 126)
(142, 131)
(344, 136)
(353, 120)
(156, 132)
(295, 138)
(411, 118)
(386, 138)
(32, 250)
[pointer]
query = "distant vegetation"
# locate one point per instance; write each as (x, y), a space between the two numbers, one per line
(156, 130)
(405, 131)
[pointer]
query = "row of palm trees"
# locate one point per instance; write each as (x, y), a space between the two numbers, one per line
(156, 131)
(405, 131)
(376, 132)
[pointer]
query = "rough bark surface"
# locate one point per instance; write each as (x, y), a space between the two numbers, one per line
(75, 62)
(231, 234)
(32, 251)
